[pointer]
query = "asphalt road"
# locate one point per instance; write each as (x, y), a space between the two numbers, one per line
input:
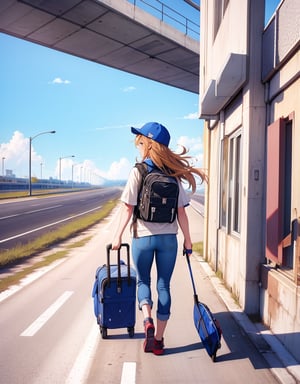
(49, 332)
(24, 220)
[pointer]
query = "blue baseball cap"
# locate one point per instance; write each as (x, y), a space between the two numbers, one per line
(154, 131)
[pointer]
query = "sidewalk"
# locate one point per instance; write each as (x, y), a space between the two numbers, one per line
(283, 365)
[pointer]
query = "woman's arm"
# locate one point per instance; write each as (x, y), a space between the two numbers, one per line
(126, 213)
(183, 222)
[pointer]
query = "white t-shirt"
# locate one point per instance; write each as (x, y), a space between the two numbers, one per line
(145, 228)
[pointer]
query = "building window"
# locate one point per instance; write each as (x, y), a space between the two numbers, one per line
(220, 7)
(231, 183)
(236, 182)
(279, 225)
(224, 183)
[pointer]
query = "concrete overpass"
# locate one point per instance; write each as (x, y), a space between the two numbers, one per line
(114, 33)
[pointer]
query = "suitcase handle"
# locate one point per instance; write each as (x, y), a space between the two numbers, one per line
(119, 279)
(191, 274)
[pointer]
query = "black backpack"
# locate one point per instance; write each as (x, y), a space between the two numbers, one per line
(158, 196)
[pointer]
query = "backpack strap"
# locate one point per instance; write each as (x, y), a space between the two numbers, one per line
(143, 170)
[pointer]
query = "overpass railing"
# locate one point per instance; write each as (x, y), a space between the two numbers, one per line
(171, 16)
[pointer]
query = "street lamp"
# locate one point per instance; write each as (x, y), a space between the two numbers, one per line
(30, 141)
(73, 166)
(3, 158)
(60, 159)
(81, 168)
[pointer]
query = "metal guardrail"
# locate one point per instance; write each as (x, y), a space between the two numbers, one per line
(169, 16)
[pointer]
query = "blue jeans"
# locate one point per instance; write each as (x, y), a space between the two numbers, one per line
(164, 249)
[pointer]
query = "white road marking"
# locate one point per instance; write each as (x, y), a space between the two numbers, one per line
(29, 212)
(48, 225)
(29, 279)
(45, 316)
(82, 364)
(128, 373)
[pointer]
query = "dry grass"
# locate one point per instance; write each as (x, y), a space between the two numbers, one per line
(198, 247)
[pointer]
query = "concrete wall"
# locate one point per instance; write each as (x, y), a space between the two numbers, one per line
(215, 50)
(280, 294)
(280, 307)
(239, 107)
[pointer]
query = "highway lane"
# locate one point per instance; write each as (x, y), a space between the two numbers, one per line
(35, 351)
(23, 221)
(49, 332)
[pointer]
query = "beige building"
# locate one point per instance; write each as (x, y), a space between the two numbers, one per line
(249, 98)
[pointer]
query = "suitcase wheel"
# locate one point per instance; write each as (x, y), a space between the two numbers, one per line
(103, 332)
(130, 331)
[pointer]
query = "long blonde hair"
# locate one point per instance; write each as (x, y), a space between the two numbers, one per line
(175, 164)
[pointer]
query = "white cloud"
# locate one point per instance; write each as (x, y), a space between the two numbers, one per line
(191, 116)
(130, 88)
(58, 80)
(119, 170)
(194, 146)
(16, 153)
(88, 172)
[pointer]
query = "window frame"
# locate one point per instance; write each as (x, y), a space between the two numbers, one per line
(220, 7)
(231, 177)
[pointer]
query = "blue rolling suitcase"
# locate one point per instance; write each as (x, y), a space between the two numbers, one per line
(206, 324)
(114, 294)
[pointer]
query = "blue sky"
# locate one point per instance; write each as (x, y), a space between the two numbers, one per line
(90, 106)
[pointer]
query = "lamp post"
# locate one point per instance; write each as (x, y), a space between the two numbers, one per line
(3, 158)
(81, 168)
(30, 141)
(73, 166)
(60, 159)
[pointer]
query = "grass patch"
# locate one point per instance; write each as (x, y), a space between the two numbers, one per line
(79, 243)
(16, 194)
(22, 252)
(219, 274)
(37, 192)
(198, 247)
(9, 195)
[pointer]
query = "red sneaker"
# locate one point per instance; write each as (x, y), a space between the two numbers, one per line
(149, 334)
(158, 348)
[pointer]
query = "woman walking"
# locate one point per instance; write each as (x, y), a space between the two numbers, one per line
(156, 240)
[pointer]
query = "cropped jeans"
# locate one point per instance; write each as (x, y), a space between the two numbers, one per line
(162, 249)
